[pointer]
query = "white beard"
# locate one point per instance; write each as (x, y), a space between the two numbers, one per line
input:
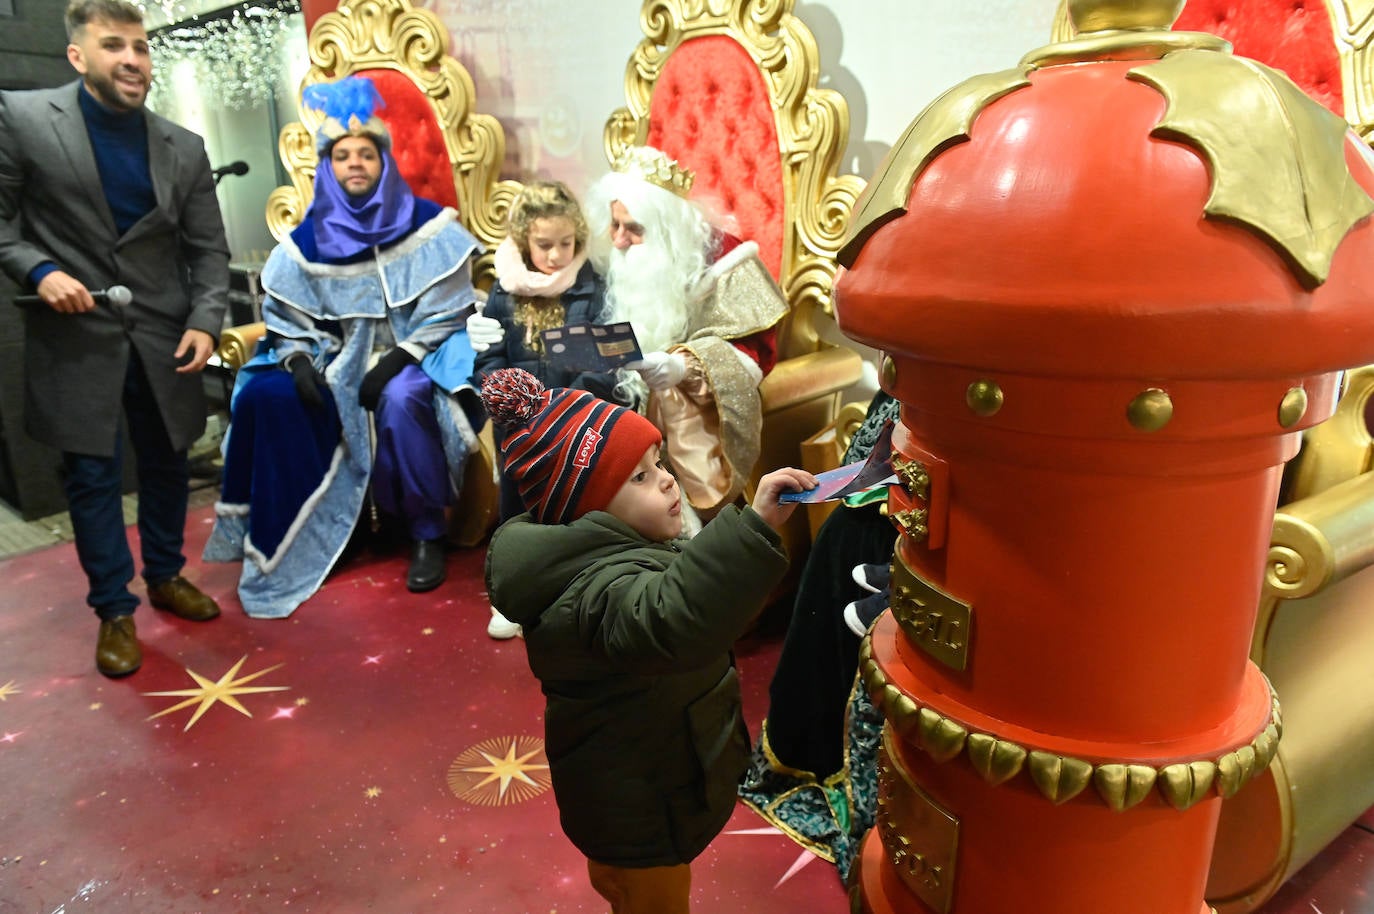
(645, 286)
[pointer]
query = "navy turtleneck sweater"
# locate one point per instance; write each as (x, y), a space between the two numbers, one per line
(119, 141)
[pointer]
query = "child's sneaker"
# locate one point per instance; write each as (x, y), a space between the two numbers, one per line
(501, 628)
(873, 578)
(861, 614)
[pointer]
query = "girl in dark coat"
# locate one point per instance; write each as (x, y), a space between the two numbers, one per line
(543, 281)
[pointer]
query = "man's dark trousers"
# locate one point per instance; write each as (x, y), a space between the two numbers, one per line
(94, 500)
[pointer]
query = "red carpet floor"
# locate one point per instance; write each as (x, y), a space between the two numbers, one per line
(374, 752)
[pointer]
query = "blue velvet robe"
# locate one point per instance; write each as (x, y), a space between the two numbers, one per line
(417, 293)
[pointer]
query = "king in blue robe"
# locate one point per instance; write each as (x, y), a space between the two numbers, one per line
(361, 379)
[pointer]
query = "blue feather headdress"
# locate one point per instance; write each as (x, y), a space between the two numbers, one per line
(349, 106)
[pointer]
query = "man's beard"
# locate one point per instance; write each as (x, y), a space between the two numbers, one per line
(111, 94)
(647, 288)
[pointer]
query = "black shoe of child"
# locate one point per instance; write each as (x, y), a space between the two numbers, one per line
(873, 578)
(861, 614)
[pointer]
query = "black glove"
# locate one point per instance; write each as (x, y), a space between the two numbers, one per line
(309, 381)
(387, 367)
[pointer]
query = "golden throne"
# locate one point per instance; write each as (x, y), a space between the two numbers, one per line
(728, 89)
(1314, 633)
(444, 150)
(1314, 639)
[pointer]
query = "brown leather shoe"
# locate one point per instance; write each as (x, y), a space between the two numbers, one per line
(117, 652)
(182, 598)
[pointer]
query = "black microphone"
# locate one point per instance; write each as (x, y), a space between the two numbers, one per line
(119, 296)
(233, 168)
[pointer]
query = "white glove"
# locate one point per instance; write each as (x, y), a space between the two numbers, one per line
(484, 332)
(660, 370)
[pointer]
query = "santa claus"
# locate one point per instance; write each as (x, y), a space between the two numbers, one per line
(705, 311)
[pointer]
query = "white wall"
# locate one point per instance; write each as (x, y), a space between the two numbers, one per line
(553, 70)
(890, 58)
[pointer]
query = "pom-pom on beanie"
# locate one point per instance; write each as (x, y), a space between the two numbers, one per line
(567, 451)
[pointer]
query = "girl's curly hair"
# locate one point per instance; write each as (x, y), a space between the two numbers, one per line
(545, 200)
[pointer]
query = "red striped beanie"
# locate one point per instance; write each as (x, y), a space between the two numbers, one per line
(567, 451)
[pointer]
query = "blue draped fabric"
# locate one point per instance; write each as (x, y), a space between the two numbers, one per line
(346, 226)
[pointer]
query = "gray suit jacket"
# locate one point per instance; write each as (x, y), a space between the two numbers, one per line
(174, 260)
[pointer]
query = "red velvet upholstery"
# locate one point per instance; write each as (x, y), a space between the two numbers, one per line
(1293, 35)
(711, 112)
(416, 141)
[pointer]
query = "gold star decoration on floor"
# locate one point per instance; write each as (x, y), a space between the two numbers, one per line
(500, 771)
(8, 689)
(372, 793)
(223, 690)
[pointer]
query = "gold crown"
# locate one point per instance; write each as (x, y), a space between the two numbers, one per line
(648, 164)
(332, 129)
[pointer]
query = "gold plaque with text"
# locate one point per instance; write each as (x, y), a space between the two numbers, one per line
(935, 622)
(920, 836)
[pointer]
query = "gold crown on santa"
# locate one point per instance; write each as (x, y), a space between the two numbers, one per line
(651, 165)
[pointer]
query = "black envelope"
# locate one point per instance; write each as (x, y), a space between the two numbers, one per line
(590, 347)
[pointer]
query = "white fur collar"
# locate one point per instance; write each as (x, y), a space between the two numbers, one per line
(745, 250)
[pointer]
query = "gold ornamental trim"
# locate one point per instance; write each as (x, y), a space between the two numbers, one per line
(920, 836)
(1301, 559)
(914, 476)
(945, 122)
(392, 35)
(984, 398)
(1295, 191)
(1352, 27)
(1292, 407)
(1151, 410)
(1312, 201)
(1119, 784)
(1352, 24)
(1278, 170)
(812, 127)
(1099, 15)
(914, 523)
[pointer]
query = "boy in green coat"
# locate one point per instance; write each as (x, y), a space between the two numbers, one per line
(629, 631)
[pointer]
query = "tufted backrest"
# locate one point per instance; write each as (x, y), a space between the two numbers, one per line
(1293, 35)
(416, 141)
(711, 112)
(728, 88)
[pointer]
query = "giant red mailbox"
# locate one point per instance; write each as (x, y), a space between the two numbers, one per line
(1112, 286)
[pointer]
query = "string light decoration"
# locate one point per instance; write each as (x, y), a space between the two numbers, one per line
(235, 53)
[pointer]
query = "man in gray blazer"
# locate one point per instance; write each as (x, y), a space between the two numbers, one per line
(96, 192)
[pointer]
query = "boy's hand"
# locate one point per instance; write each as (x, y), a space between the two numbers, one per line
(772, 485)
